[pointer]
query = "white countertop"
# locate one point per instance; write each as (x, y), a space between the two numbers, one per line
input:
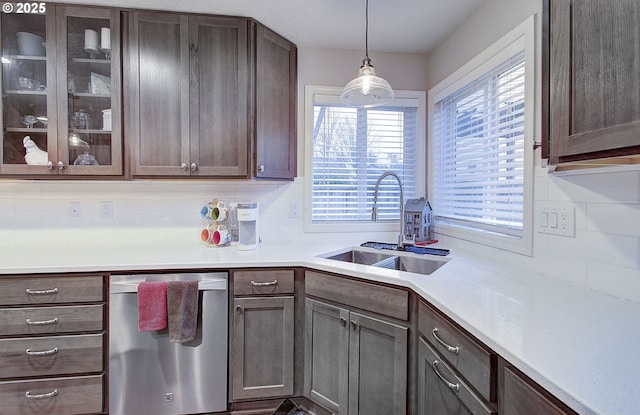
(577, 343)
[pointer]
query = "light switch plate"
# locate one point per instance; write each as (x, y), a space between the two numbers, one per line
(557, 219)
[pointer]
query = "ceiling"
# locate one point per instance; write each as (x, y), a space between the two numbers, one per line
(411, 26)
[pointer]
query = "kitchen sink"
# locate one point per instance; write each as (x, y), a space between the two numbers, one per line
(401, 261)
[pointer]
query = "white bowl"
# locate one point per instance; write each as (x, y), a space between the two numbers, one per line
(30, 44)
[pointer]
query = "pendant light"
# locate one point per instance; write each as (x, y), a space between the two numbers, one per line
(367, 90)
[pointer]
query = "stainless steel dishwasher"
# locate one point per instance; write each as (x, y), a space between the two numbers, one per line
(150, 375)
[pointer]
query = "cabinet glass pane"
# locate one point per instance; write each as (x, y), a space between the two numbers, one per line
(89, 90)
(24, 89)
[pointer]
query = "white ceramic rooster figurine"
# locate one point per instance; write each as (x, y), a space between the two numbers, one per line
(34, 155)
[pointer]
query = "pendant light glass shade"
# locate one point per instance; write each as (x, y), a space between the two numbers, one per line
(367, 90)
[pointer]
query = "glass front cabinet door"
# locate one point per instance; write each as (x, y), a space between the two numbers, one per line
(61, 86)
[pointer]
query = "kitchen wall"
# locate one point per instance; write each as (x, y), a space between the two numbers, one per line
(605, 254)
(36, 212)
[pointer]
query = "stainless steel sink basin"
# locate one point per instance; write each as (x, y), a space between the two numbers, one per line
(416, 264)
(358, 256)
(401, 261)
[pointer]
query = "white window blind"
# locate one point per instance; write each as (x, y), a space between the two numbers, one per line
(351, 148)
(479, 151)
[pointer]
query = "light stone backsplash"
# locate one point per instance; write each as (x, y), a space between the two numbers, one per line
(143, 210)
(604, 255)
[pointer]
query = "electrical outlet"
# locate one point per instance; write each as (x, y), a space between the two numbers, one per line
(557, 219)
(295, 206)
(74, 210)
(106, 209)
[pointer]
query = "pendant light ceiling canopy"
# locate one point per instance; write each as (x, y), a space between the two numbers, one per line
(367, 90)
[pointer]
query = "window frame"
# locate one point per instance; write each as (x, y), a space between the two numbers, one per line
(520, 38)
(341, 227)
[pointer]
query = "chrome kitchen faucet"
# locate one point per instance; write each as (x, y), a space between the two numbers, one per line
(374, 211)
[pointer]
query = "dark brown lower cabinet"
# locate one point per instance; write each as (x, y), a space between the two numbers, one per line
(441, 391)
(354, 363)
(519, 395)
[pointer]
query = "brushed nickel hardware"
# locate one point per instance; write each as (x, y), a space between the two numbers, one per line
(49, 352)
(60, 165)
(238, 308)
(264, 284)
(343, 321)
(30, 322)
(50, 165)
(194, 167)
(183, 167)
(51, 394)
(353, 324)
(450, 348)
(41, 292)
(454, 386)
(261, 168)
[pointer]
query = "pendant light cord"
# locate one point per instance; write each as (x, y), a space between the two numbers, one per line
(366, 32)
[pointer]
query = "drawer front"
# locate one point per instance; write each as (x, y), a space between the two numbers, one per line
(51, 290)
(388, 301)
(56, 355)
(50, 320)
(67, 396)
(263, 282)
(441, 390)
(470, 358)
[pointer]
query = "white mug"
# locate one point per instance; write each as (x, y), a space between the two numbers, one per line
(205, 211)
(220, 212)
(221, 236)
(207, 233)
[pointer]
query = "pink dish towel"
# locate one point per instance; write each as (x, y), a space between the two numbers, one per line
(152, 306)
(182, 310)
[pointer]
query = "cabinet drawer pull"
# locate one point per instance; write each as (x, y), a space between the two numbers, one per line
(51, 394)
(49, 352)
(41, 322)
(41, 292)
(264, 284)
(454, 386)
(452, 349)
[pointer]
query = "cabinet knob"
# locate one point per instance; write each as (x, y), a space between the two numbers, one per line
(194, 167)
(50, 165)
(353, 324)
(261, 168)
(60, 166)
(238, 308)
(183, 166)
(343, 321)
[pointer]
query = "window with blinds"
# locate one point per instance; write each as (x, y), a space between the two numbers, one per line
(479, 151)
(481, 154)
(352, 147)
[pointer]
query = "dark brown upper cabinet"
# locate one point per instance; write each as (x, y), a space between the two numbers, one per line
(187, 86)
(591, 89)
(61, 87)
(274, 89)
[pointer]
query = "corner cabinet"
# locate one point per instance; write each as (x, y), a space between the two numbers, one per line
(275, 88)
(355, 362)
(187, 89)
(63, 94)
(591, 94)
